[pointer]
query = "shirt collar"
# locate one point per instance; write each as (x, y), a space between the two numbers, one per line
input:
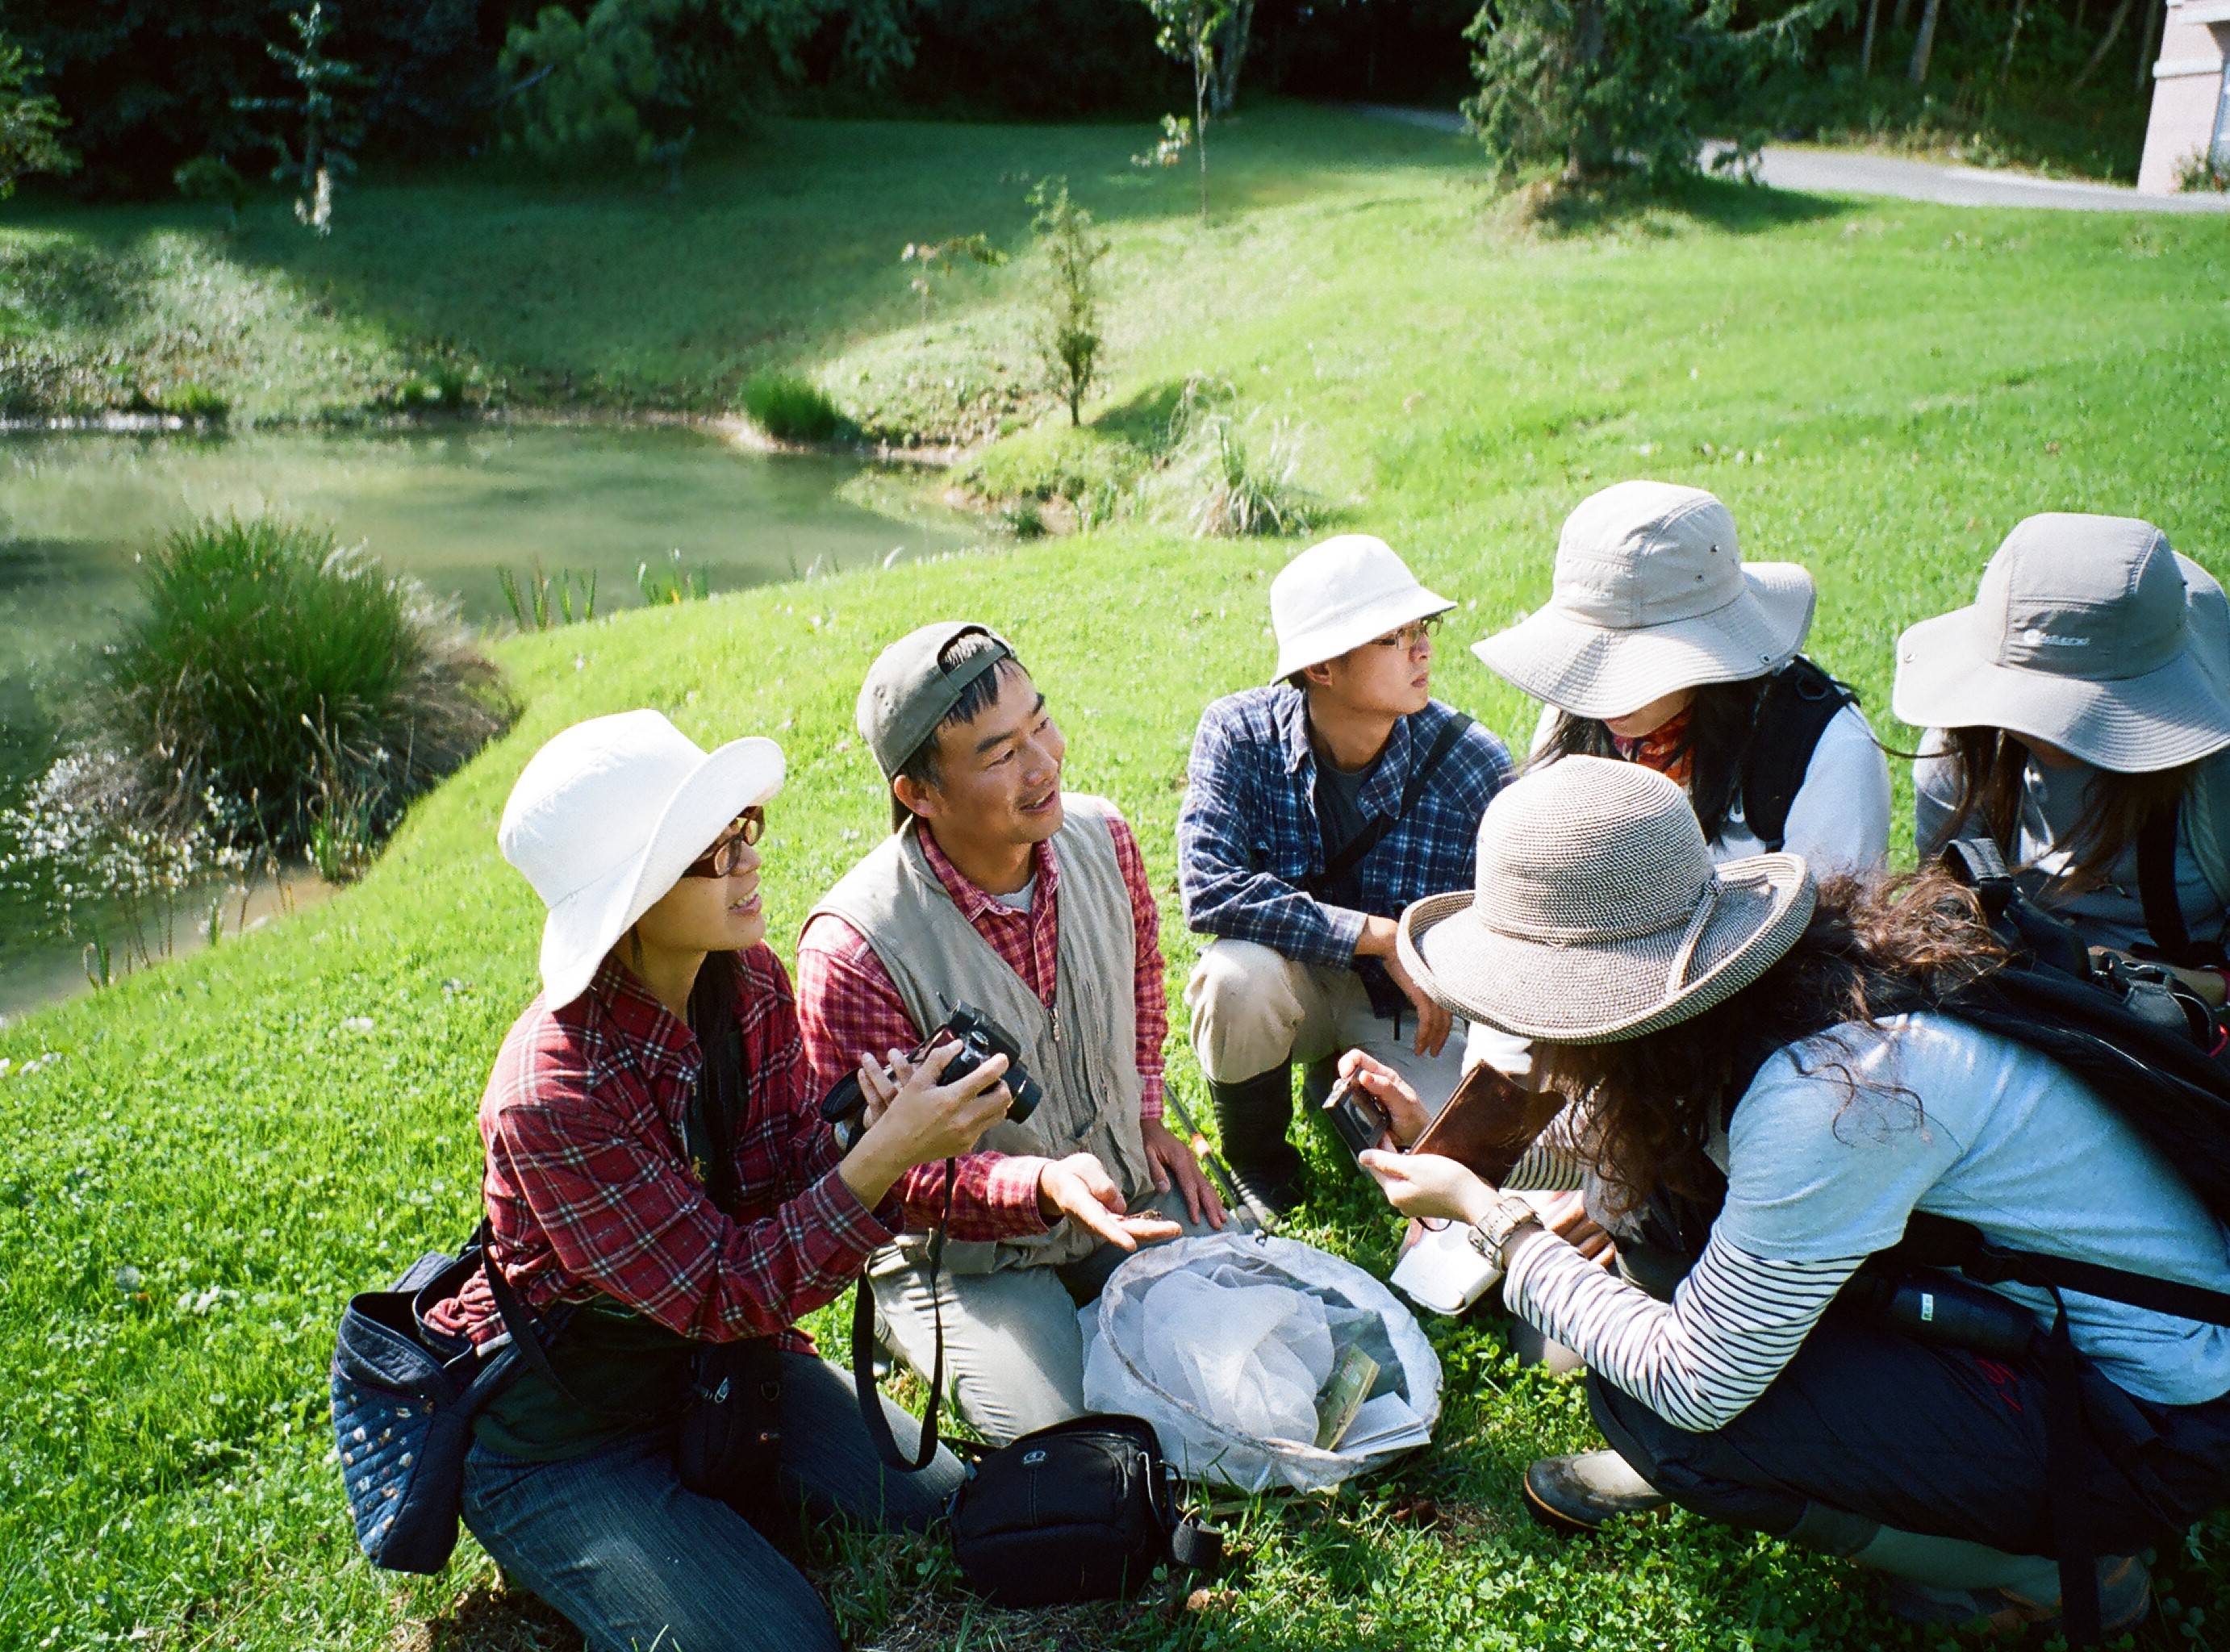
(972, 900)
(639, 1020)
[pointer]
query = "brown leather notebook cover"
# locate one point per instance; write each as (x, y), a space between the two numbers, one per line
(1488, 1123)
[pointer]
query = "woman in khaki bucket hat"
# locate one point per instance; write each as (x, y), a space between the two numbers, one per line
(1660, 645)
(2079, 714)
(1751, 1058)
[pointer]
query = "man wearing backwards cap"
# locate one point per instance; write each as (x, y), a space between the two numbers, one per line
(998, 889)
(1346, 752)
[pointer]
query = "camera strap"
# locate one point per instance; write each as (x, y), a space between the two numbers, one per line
(863, 1354)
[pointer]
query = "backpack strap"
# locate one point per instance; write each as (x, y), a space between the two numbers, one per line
(1799, 704)
(1933, 1241)
(2157, 891)
(1341, 861)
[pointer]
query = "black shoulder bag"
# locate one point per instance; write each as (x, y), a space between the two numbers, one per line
(729, 1444)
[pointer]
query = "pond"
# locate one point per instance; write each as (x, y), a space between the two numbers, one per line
(450, 505)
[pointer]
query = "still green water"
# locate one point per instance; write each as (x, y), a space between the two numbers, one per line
(449, 505)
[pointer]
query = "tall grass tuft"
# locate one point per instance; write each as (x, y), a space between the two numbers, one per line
(791, 408)
(1238, 490)
(290, 690)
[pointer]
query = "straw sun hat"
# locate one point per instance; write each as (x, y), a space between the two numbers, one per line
(2087, 632)
(1598, 915)
(606, 818)
(1651, 595)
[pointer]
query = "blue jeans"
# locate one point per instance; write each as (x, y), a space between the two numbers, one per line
(614, 1541)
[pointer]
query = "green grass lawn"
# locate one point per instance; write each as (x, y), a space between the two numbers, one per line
(212, 1156)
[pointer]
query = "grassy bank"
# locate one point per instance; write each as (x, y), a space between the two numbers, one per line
(213, 1155)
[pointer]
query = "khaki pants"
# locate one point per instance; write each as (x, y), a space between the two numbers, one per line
(1013, 1353)
(1254, 1008)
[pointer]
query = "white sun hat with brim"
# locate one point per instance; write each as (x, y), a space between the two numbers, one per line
(2090, 633)
(606, 818)
(1598, 914)
(1337, 595)
(1651, 595)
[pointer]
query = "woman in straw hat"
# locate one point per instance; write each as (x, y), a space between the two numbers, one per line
(1764, 1046)
(1659, 645)
(658, 1178)
(2079, 714)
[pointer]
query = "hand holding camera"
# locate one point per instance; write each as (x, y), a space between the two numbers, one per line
(921, 1113)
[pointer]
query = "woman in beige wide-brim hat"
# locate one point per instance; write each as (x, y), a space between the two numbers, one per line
(2078, 713)
(1754, 1053)
(1658, 645)
(658, 1181)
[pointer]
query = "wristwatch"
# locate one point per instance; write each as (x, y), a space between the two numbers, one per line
(1491, 1231)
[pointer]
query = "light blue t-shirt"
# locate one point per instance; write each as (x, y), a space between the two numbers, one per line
(1989, 1132)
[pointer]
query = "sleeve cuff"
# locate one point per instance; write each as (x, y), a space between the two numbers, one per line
(1011, 1191)
(1346, 927)
(831, 1205)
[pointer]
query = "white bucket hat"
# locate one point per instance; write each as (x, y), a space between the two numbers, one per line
(605, 819)
(1651, 595)
(2087, 632)
(1340, 594)
(1598, 915)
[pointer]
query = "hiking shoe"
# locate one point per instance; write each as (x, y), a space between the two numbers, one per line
(1575, 1495)
(2125, 1596)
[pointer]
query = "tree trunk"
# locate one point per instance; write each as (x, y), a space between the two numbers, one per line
(1866, 51)
(1904, 14)
(1924, 46)
(2106, 43)
(1592, 153)
(1234, 38)
(2148, 45)
(1203, 65)
(2013, 38)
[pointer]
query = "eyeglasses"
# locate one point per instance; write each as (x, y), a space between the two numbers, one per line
(1410, 637)
(727, 849)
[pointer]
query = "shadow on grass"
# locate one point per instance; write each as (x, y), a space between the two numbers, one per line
(493, 1619)
(1553, 211)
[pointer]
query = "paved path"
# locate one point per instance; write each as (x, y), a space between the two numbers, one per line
(1826, 171)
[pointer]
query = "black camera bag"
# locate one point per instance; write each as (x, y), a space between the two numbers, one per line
(1084, 1510)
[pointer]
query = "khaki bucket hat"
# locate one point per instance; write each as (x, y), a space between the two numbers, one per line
(2087, 632)
(1598, 914)
(1651, 595)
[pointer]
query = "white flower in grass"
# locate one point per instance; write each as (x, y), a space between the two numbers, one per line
(357, 1024)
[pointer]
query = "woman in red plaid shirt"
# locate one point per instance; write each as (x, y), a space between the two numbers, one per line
(602, 1220)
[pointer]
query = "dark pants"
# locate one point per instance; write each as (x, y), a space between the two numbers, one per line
(614, 1541)
(1931, 1440)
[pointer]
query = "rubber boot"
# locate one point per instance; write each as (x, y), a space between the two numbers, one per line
(1253, 1116)
(1577, 1494)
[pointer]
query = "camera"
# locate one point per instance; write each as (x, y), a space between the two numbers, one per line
(1355, 1117)
(980, 1037)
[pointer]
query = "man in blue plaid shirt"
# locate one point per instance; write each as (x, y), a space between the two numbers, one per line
(1318, 808)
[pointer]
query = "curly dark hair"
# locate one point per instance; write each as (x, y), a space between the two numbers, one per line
(1873, 948)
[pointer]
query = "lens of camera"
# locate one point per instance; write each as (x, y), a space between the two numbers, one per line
(1024, 1088)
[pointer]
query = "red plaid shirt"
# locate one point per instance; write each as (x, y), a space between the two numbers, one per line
(848, 1004)
(589, 1188)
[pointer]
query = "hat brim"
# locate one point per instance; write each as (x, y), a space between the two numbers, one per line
(1601, 991)
(2129, 725)
(1351, 631)
(1596, 671)
(584, 925)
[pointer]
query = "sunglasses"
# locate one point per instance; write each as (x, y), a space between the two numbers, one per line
(727, 849)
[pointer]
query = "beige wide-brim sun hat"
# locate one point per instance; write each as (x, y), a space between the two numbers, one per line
(605, 819)
(1651, 595)
(1598, 915)
(2087, 632)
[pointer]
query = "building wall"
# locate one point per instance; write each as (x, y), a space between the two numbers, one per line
(2187, 92)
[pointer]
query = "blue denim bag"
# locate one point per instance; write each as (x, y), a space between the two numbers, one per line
(403, 1408)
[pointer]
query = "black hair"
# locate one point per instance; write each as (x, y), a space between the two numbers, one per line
(1721, 718)
(921, 764)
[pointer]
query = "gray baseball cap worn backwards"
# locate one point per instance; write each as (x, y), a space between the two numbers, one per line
(907, 693)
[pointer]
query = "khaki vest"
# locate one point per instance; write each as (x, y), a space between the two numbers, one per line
(1083, 1052)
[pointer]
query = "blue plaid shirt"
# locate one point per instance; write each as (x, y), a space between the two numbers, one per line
(1247, 836)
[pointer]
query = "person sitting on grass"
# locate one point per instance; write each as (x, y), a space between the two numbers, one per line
(1315, 810)
(2079, 714)
(1751, 1040)
(997, 890)
(600, 1153)
(1658, 645)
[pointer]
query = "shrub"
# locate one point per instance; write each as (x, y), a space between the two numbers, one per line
(792, 409)
(2205, 169)
(1067, 335)
(277, 681)
(1096, 474)
(191, 400)
(1236, 491)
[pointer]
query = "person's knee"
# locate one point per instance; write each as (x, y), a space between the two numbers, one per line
(1244, 1011)
(1690, 1469)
